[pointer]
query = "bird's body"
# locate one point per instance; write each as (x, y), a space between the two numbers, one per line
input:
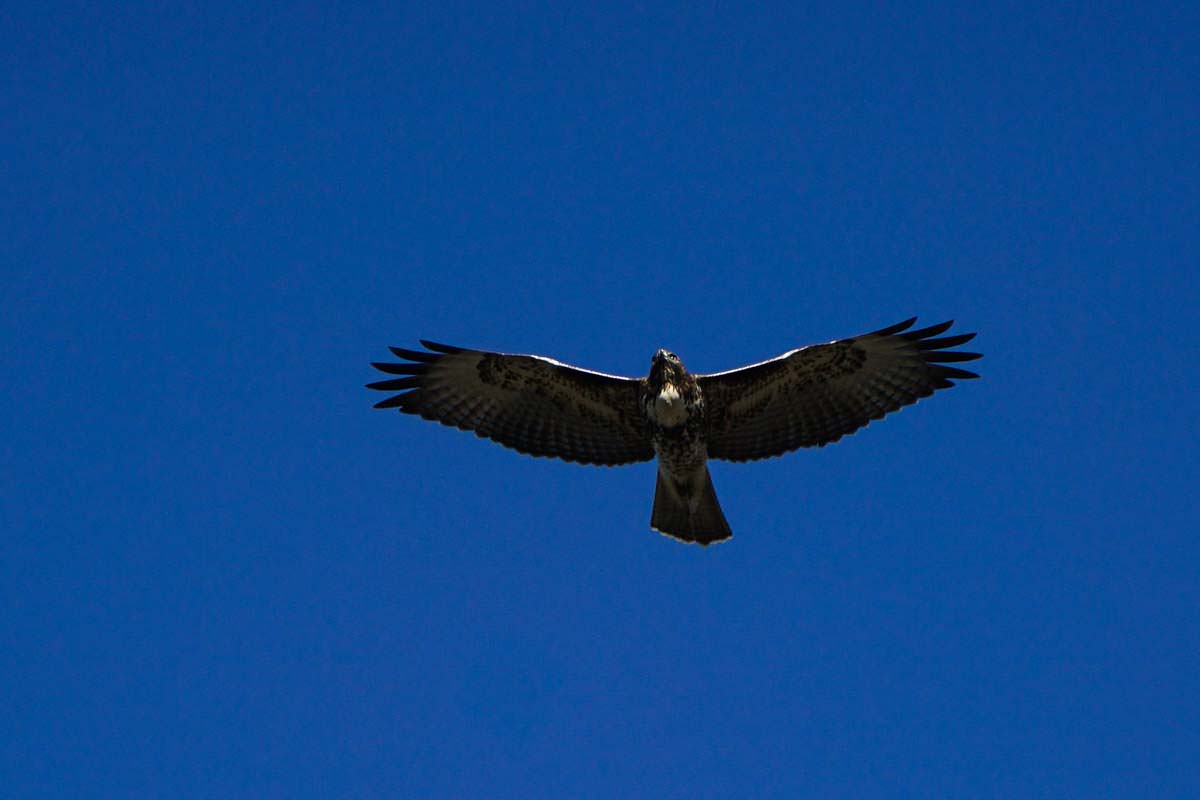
(685, 503)
(806, 397)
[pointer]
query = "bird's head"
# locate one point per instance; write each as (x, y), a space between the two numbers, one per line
(666, 366)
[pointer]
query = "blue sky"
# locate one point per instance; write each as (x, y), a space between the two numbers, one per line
(224, 574)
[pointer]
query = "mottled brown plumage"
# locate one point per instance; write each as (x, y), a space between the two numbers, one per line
(806, 397)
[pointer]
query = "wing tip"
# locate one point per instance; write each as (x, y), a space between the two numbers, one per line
(399, 401)
(406, 368)
(395, 384)
(954, 372)
(945, 342)
(935, 351)
(952, 355)
(437, 347)
(928, 332)
(891, 330)
(413, 355)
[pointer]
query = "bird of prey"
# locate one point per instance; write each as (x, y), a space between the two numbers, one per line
(806, 397)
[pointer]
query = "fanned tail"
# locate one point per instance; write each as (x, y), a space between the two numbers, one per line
(690, 513)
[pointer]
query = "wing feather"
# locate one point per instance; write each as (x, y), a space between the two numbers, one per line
(815, 395)
(532, 404)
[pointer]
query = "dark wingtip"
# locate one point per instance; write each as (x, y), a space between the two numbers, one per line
(937, 357)
(955, 372)
(397, 401)
(441, 348)
(935, 351)
(894, 329)
(400, 369)
(395, 384)
(945, 341)
(417, 363)
(932, 330)
(414, 355)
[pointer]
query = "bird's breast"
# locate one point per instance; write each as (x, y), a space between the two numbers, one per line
(670, 410)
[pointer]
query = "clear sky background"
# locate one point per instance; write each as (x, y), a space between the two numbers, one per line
(223, 574)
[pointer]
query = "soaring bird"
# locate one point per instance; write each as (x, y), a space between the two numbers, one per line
(806, 397)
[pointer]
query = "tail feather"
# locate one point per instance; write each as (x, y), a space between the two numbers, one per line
(689, 513)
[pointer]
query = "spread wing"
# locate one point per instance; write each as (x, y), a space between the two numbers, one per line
(532, 404)
(816, 395)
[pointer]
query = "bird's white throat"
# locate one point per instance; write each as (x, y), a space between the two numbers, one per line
(669, 409)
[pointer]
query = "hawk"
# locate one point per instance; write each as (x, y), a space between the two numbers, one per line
(806, 397)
